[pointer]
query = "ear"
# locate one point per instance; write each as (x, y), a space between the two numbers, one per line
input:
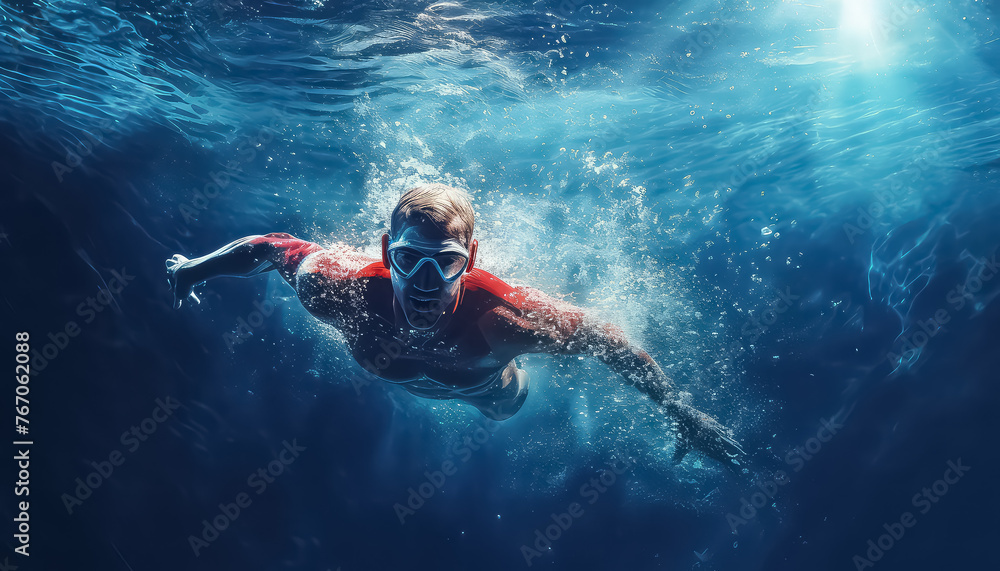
(385, 250)
(472, 255)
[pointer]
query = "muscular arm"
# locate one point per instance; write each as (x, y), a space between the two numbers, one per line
(552, 326)
(608, 343)
(548, 325)
(241, 258)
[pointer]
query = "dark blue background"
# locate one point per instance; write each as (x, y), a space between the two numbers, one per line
(332, 508)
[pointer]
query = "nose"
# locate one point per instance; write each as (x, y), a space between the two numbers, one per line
(426, 279)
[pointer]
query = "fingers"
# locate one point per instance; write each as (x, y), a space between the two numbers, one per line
(178, 301)
(174, 261)
(727, 443)
(710, 438)
(173, 264)
(728, 439)
(739, 449)
(734, 444)
(714, 444)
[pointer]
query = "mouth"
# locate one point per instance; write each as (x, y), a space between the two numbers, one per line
(424, 304)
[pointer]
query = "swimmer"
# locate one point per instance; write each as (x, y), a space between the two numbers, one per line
(426, 318)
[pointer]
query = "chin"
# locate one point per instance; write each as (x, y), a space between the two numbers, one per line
(422, 320)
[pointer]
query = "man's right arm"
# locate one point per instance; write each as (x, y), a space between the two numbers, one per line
(241, 258)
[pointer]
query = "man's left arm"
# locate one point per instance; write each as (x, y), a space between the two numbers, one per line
(553, 326)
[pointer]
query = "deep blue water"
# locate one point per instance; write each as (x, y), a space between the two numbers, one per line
(792, 207)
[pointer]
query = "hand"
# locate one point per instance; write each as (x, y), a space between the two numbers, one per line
(179, 281)
(696, 430)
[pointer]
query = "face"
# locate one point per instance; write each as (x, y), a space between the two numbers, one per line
(424, 292)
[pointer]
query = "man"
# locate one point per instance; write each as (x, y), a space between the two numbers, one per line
(425, 318)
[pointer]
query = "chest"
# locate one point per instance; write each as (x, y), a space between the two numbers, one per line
(461, 358)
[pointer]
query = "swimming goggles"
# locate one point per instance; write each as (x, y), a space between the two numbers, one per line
(450, 262)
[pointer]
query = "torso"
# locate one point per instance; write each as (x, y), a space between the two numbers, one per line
(467, 355)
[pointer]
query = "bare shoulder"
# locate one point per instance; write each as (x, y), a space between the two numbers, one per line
(328, 282)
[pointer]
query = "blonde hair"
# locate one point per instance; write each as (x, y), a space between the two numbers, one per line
(447, 208)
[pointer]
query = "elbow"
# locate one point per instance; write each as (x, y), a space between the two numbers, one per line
(606, 341)
(613, 338)
(308, 287)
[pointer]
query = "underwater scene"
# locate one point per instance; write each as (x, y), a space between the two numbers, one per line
(739, 256)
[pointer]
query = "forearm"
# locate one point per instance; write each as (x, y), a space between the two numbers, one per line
(549, 325)
(641, 371)
(570, 330)
(608, 343)
(244, 257)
